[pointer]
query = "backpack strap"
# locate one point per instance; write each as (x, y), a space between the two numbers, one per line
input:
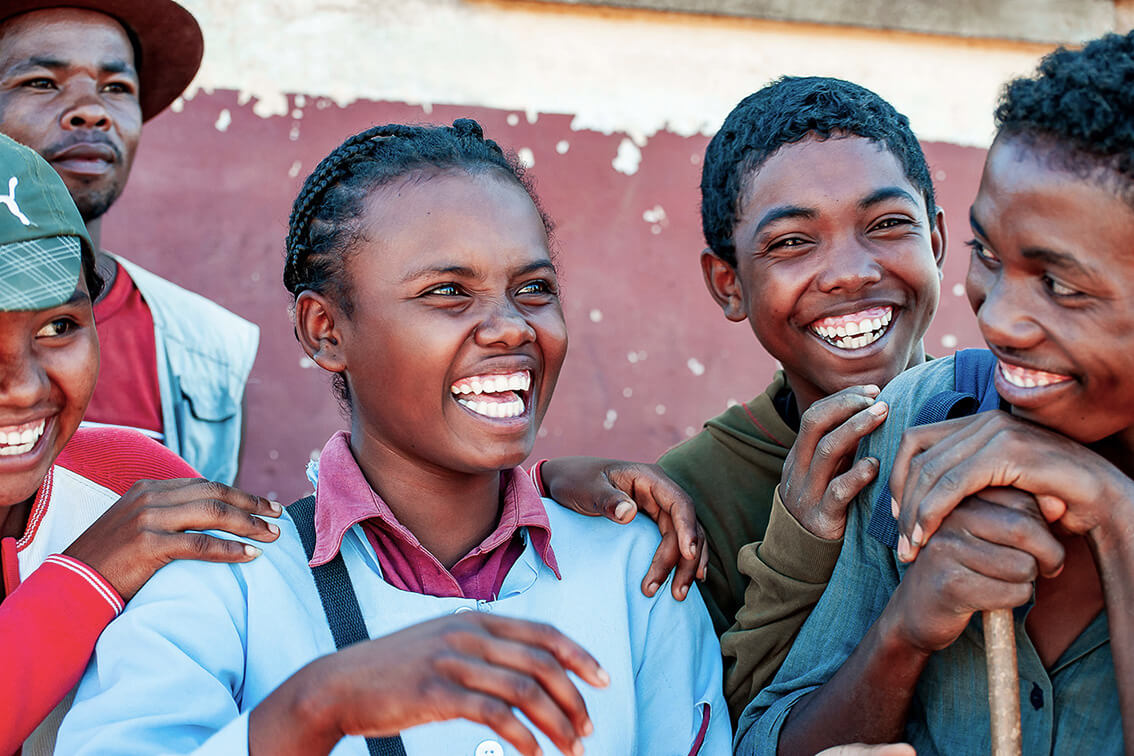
(340, 604)
(972, 392)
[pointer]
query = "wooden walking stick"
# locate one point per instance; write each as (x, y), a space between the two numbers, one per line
(1003, 681)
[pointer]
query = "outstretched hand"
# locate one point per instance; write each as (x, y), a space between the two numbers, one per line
(470, 666)
(818, 481)
(147, 528)
(618, 490)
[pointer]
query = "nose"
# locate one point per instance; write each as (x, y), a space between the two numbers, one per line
(1004, 313)
(504, 324)
(86, 110)
(850, 266)
(23, 383)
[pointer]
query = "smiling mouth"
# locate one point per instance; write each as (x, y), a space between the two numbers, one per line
(1022, 377)
(20, 439)
(498, 395)
(854, 330)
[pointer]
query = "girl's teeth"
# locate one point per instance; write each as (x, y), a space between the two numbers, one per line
(11, 451)
(513, 408)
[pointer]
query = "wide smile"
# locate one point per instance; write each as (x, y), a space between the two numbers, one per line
(856, 330)
(1029, 388)
(20, 439)
(90, 159)
(498, 396)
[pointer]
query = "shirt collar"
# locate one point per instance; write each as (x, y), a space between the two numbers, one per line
(343, 498)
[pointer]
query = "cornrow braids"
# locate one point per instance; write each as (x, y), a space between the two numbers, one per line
(1077, 106)
(790, 110)
(325, 221)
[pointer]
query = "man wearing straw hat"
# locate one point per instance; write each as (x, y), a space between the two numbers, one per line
(77, 80)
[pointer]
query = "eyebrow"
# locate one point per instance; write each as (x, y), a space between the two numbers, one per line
(463, 271)
(783, 212)
(1040, 254)
(885, 194)
(117, 66)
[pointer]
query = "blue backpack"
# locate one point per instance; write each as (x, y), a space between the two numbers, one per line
(972, 392)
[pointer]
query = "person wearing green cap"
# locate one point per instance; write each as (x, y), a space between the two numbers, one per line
(80, 530)
(78, 78)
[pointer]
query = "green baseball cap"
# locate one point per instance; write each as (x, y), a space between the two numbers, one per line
(41, 232)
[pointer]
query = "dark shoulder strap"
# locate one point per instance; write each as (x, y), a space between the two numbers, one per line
(340, 604)
(973, 391)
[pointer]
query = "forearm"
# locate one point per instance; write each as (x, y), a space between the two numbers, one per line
(866, 701)
(48, 628)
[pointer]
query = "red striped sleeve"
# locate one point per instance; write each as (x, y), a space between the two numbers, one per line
(48, 629)
(116, 458)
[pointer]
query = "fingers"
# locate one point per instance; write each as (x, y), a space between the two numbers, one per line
(204, 547)
(490, 711)
(862, 749)
(541, 695)
(567, 652)
(843, 488)
(181, 490)
(654, 493)
(211, 514)
(827, 414)
(665, 558)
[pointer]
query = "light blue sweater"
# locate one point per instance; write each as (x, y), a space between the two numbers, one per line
(202, 644)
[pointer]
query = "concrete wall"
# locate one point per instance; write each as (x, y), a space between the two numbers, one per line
(612, 108)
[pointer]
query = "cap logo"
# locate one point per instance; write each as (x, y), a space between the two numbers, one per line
(9, 201)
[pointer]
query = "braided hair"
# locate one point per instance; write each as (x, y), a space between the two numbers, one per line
(787, 111)
(1078, 105)
(326, 220)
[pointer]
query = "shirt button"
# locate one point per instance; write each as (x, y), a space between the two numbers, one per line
(1037, 697)
(489, 748)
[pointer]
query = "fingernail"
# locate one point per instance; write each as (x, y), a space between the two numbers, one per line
(603, 677)
(652, 588)
(273, 528)
(682, 591)
(878, 409)
(918, 535)
(871, 390)
(903, 548)
(623, 510)
(276, 507)
(894, 507)
(577, 748)
(251, 551)
(588, 728)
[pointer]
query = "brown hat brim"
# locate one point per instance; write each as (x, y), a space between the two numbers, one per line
(170, 42)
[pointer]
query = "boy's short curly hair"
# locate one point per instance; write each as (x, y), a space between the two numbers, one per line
(1080, 104)
(786, 111)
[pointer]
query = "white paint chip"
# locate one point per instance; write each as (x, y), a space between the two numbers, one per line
(632, 357)
(958, 290)
(177, 105)
(690, 431)
(655, 214)
(628, 159)
(939, 175)
(694, 159)
(627, 392)
(562, 146)
(731, 403)
(273, 455)
(596, 316)
(300, 101)
(306, 362)
(526, 157)
(660, 409)
(949, 341)
(695, 366)
(611, 417)
(655, 229)
(293, 171)
(224, 120)
(541, 433)
(293, 135)
(512, 119)
(255, 275)
(297, 114)
(531, 115)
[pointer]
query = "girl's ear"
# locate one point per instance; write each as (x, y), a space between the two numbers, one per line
(317, 332)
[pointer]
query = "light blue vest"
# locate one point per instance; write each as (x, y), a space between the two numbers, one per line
(204, 355)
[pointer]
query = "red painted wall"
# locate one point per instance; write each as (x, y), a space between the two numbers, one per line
(208, 209)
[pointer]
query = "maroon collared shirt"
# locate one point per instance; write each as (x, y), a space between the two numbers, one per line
(343, 498)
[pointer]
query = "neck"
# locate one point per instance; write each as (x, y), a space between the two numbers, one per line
(94, 230)
(449, 512)
(14, 519)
